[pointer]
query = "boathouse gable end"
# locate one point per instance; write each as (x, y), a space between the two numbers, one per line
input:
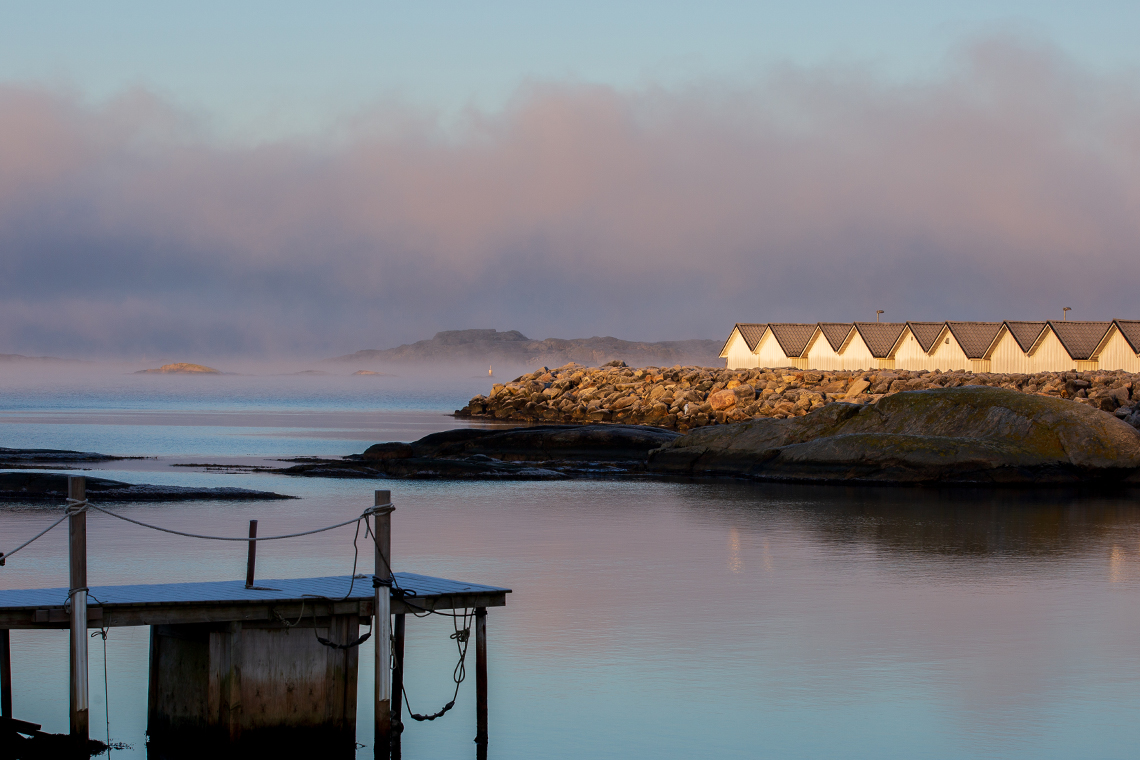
(739, 349)
(1116, 351)
(881, 338)
(769, 353)
(823, 351)
(910, 354)
(855, 354)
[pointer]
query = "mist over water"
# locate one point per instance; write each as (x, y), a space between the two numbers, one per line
(648, 620)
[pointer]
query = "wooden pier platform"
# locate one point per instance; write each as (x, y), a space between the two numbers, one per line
(255, 664)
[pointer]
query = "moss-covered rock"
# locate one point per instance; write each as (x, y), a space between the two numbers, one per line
(957, 435)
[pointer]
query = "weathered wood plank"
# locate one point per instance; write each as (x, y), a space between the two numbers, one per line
(224, 696)
(178, 700)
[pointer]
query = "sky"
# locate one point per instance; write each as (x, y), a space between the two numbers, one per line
(287, 179)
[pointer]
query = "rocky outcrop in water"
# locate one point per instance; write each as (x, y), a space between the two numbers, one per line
(50, 486)
(545, 452)
(968, 435)
(180, 368)
(686, 397)
(53, 458)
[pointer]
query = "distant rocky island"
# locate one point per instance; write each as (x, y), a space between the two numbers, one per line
(21, 359)
(514, 348)
(180, 368)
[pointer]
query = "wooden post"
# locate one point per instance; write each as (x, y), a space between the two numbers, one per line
(382, 626)
(6, 673)
(398, 672)
(251, 557)
(77, 556)
(481, 675)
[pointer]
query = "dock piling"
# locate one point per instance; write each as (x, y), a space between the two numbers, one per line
(5, 673)
(251, 556)
(77, 556)
(382, 625)
(481, 675)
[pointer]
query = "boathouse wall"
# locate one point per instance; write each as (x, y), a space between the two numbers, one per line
(768, 352)
(1117, 354)
(820, 354)
(737, 352)
(910, 355)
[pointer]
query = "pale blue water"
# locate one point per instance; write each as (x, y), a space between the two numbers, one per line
(649, 620)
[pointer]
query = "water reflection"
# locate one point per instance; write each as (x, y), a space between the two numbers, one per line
(939, 522)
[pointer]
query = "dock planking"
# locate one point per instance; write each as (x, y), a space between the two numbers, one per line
(225, 601)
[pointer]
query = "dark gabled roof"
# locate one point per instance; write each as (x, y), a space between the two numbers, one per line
(1080, 339)
(751, 332)
(793, 338)
(1130, 329)
(975, 338)
(835, 332)
(926, 333)
(1025, 333)
(880, 337)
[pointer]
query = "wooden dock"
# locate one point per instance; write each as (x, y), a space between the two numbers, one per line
(258, 664)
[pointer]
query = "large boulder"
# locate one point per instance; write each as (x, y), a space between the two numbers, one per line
(961, 435)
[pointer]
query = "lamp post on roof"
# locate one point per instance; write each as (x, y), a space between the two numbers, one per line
(1065, 313)
(877, 313)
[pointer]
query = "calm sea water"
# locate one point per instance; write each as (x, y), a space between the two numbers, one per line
(655, 620)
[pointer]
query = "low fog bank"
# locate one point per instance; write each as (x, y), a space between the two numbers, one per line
(117, 392)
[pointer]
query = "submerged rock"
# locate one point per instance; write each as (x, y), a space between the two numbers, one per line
(960, 435)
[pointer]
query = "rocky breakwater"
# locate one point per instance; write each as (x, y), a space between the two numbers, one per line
(970, 435)
(683, 398)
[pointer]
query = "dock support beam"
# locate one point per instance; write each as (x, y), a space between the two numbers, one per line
(382, 626)
(77, 556)
(481, 675)
(5, 673)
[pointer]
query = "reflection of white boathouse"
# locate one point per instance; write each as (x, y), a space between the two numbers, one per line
(1006, 347)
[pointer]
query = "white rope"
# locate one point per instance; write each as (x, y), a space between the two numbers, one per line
(77, 506)
(6, 555)
(228, 538)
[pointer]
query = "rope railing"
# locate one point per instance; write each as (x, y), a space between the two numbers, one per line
(76, 506)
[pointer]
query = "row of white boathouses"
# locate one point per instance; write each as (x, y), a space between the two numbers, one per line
(1003, 347)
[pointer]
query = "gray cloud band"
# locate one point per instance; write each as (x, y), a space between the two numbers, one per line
(1001, 188)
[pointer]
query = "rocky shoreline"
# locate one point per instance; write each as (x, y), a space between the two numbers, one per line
(687, 397)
